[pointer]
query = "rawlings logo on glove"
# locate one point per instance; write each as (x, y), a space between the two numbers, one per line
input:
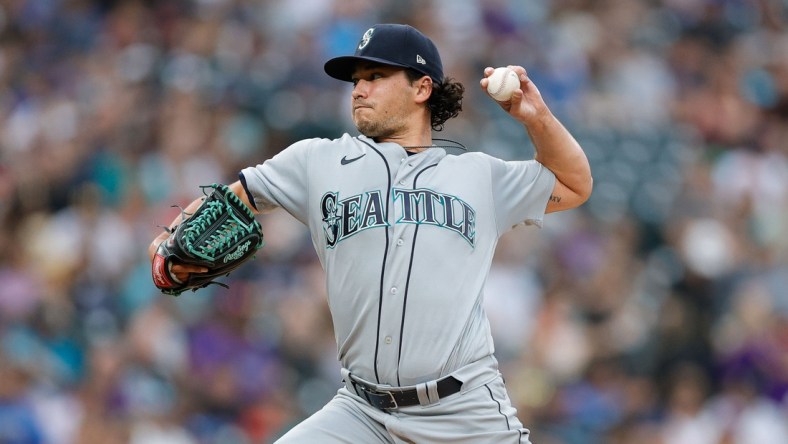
(220, 235)
(238, 253)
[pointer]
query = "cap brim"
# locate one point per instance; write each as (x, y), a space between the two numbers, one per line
(341, 68)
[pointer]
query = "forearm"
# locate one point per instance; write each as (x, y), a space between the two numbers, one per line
(556, 148)
(559, 152)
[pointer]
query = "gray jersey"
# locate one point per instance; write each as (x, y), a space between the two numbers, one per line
(406, 243)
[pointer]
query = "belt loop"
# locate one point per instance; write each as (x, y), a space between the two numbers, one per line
(349, 383)
(421, 392)
(432, 391)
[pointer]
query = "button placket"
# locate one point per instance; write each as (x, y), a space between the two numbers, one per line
(403, 171)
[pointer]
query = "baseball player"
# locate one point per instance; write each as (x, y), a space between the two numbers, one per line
(406, 235)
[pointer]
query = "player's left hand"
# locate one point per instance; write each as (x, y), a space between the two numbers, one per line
(219, 236)
(526, 104)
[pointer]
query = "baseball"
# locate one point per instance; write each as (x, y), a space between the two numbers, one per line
(502, 83)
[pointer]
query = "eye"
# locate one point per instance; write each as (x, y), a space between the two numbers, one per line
(369, 77)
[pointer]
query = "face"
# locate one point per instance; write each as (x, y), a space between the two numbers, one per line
(382, 100)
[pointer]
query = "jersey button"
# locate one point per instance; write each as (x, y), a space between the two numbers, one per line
(388, 339)
(394, 290)
(400, 242)
(402, 182)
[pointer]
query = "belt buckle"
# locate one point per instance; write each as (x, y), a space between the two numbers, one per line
(393, 400)
(376, 392)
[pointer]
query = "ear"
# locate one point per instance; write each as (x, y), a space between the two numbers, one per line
(423, 89)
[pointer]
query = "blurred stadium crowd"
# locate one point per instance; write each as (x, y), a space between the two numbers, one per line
(657, 313)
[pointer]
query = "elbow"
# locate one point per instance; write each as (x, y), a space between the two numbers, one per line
(584, 191)
(570, 191)
(567, 197)
(583, 184)
(578, 193)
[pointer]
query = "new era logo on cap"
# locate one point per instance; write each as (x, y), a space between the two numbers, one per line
(394, 45)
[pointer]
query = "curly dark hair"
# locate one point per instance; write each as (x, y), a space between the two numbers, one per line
(446, 99)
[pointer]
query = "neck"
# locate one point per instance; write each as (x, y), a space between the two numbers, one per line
(412, 143)
(414, 133)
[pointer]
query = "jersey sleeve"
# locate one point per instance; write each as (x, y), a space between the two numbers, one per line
(520, 191)
(281, 181)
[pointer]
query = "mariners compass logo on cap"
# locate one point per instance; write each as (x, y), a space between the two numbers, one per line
(366, 38)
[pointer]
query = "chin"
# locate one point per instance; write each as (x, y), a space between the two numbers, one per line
(366, 130)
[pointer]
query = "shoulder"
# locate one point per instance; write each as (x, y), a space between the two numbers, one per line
(308, 148)
(492, 166)
(318, 142)
(476, 156)
(488, 159)
(471, 158)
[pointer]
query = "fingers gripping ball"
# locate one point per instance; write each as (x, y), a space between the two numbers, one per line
(220, 235)
(502, 83)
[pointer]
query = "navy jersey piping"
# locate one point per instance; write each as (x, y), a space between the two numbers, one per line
(385, 256)
(407, 280)
(249, 196)
(487, 386)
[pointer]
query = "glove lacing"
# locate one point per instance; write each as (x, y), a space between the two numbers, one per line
(225, 235)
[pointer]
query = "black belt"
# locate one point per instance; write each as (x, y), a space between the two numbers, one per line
(395, 398)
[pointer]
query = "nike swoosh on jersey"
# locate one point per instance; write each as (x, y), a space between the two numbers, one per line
(345, 160)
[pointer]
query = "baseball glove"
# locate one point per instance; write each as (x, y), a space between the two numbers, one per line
(220, 235)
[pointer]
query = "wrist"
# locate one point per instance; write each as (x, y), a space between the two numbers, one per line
(541, 117)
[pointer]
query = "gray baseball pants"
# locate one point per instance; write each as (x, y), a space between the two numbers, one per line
(482, 414)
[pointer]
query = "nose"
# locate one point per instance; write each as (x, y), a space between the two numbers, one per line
(359, 89)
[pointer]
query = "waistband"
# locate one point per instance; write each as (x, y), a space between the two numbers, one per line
(387, 397)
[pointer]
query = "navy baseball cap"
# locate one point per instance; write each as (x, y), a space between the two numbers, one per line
(393, 45)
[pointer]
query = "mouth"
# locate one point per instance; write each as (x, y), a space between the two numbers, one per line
(358, 106)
